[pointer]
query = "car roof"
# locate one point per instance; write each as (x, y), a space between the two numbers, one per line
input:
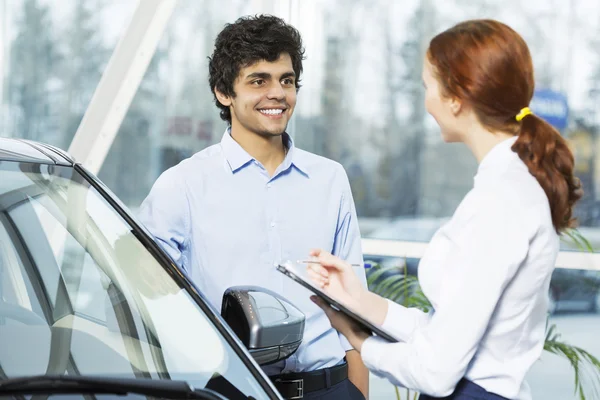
(22, 150)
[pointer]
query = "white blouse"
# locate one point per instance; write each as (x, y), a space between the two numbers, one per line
(487, 274)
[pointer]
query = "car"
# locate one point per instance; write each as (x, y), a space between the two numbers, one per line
(570, 290)
(91, 305)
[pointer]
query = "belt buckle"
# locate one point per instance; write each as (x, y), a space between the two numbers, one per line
(299, 387)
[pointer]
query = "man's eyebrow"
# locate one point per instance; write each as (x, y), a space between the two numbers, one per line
(266, 75)
(290, 74)
(261, 75)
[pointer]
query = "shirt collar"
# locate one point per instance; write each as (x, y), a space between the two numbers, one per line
(237, 157)
(294, 156)
(499, 155)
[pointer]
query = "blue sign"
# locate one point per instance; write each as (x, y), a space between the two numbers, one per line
(551, 106)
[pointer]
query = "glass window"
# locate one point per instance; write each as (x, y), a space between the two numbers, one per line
(362, 103)
(79, 279)
(15, 289)
(53, 54)
(84, 279)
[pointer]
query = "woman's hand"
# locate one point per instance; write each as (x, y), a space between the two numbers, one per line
(336, 278)
(343, 324)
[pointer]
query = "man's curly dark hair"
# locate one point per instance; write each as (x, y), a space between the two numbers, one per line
(249, 40)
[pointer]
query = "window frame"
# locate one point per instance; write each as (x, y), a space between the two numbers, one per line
(406, 249)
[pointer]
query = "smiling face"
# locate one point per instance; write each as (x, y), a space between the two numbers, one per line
(265, 97)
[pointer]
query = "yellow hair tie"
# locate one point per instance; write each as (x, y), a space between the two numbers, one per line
(523, 113)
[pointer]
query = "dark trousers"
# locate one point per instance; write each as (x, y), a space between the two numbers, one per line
(466, 390)
(343, 390)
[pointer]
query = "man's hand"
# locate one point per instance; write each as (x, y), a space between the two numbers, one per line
(343, 324)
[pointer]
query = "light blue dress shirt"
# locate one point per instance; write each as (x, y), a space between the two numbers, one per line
(226, 222)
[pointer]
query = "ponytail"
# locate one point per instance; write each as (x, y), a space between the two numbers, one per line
(551, 162)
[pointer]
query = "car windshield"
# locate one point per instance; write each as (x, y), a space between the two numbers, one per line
(81, 295)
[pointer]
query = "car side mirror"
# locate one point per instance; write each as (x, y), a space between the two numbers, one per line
(268, 325)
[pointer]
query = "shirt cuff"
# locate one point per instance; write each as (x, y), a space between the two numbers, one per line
(401, 321)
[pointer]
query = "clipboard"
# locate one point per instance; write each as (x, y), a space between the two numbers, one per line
(288, 269)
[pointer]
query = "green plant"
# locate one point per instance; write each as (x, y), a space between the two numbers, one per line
(581, 361)
(397, 285)
(401, 288)
(573, 236)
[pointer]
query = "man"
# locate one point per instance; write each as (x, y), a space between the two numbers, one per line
(230, 212)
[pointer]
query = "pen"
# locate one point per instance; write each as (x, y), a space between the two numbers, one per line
(366, 265)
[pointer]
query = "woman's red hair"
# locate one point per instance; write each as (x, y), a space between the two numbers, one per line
(487, 65)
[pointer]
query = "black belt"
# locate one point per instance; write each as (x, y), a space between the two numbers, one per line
(294, 385)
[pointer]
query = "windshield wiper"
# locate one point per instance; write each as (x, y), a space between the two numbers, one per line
(65, 384)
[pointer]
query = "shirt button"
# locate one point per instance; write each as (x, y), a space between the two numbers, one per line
(272, 224)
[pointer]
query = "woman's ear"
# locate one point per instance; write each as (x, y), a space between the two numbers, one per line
(455, 106)
(223, 98)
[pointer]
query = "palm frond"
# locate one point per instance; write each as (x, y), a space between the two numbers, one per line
(585, 366)
(393, 283)
(378, 272)
(575, 237)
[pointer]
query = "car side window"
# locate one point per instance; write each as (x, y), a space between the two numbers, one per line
(83, 279)
(102, 302)
(15, 288)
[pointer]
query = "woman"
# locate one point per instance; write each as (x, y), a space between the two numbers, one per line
(487, 271)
